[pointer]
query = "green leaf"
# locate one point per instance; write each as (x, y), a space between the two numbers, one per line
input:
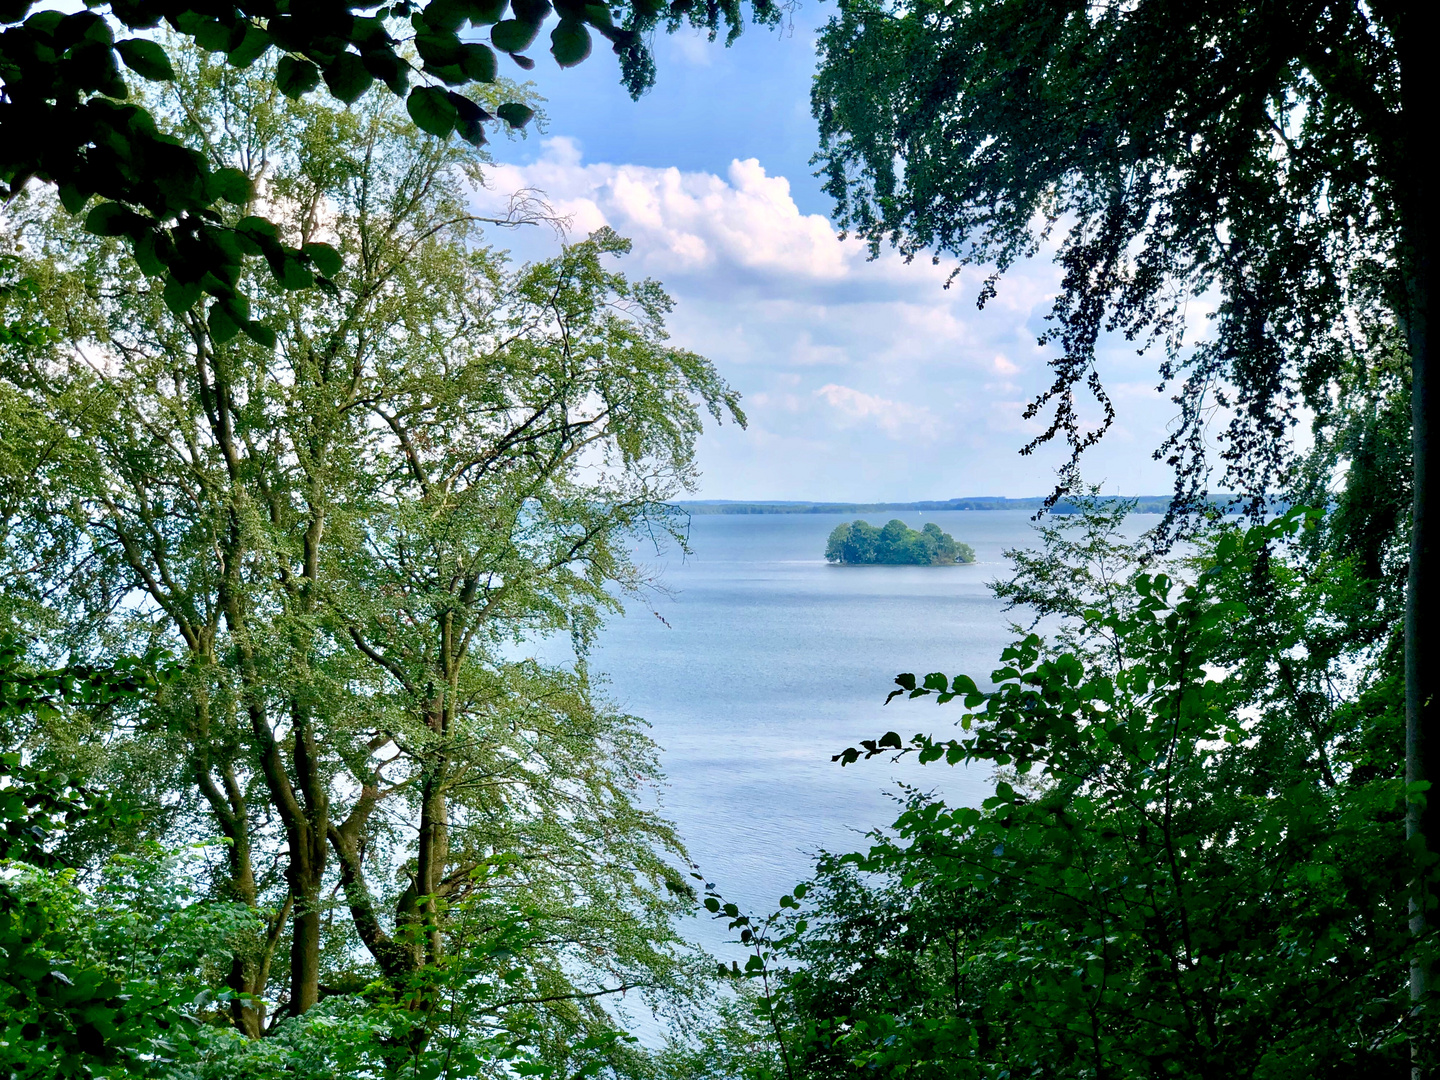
(347, 77)
(470, 119)
(432, 110)
(223, 326)
(180, 296)
(445, 15)
(110, 219)
(386, 67)
(534, 12)
(259, 333)
(146, 58)
(252, 46)
(212, 35)
(232, 185)
(326, 259)
(569, 43)
(258, 228)
(485, 12)
(293, 274)
(513, 36)
(478, 62)
(146, 256)
(72, 198)
(515, 114)
(296, 77)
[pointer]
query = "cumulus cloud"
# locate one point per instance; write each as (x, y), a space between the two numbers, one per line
(824, 342)
(895, 418)
(688, 222)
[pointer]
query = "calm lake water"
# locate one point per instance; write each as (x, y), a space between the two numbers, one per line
(769, 660)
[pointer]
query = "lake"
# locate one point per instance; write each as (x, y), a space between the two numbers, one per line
(770, 660)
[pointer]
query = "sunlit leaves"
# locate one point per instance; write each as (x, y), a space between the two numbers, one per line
(1164, 832)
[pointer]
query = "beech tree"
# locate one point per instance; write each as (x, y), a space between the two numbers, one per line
(342, 537)
(1271, 154)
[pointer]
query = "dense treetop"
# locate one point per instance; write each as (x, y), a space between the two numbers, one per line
(859, 543)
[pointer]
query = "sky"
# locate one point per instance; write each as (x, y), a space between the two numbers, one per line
(862, 380)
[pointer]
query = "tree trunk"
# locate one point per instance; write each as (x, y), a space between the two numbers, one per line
(308, 838)
(1422, 604)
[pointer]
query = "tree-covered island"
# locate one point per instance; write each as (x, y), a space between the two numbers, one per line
(861, 544)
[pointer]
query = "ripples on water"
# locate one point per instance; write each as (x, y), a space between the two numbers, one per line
(773, 660)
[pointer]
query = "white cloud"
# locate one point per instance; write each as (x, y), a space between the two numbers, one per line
(895, 418)
(825, 343)
(683, 222)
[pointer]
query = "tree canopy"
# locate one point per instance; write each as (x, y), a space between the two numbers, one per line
(1190, 864)
(342, 537)
(65, 119)
(859, 543)
(1271, 159)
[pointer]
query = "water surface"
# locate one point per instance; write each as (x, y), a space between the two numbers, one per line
(769, 660)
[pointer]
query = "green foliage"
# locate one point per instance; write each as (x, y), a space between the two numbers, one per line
(443, 852)
(1191, 865)
(860, 543)
(1181, 151)
(66, 120)
(63, 1011)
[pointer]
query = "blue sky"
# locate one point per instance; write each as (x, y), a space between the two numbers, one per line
(862, 380)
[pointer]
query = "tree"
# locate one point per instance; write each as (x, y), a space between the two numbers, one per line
(1273, 154)
(1190, 866)
(859, 542)
(343, 537)
(65, 120)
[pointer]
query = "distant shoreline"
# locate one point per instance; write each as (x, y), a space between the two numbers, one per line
(1144, 504)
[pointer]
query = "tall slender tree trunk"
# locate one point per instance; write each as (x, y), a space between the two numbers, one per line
(1422, 597)
(308, 851)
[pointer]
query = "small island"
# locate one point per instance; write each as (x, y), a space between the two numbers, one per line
(861, 544)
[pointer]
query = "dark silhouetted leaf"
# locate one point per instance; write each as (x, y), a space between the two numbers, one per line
(232, 185)
(513, 36)
(470, 121)
(110, 219)
(348, 77)
(515, 114)
(326, 259)
(432, 110)
(531, 11)
(569, 42)
(223, 326)
(146, 58)
(179, 296)
(478, 62)
(485, 12)
(295, 77)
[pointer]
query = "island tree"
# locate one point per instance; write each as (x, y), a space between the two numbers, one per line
(344, 538)
(859, 543)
